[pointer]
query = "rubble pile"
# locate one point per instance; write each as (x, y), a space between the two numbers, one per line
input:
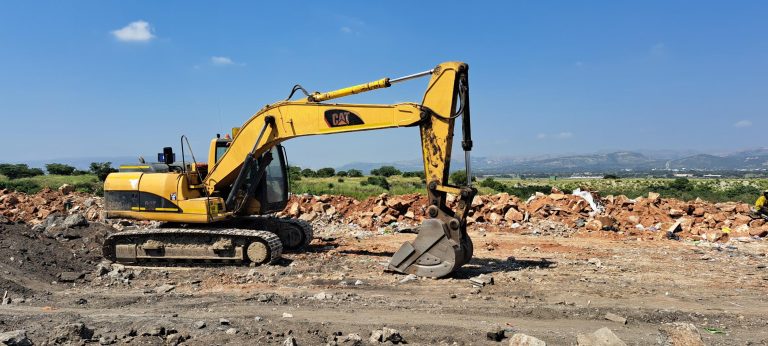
(371, 213)
(35, 208)
(647, 217)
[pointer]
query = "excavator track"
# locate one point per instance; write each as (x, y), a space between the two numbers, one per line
(293, 233)
(230, 245)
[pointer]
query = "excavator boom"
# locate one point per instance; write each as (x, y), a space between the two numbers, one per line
(228, 190)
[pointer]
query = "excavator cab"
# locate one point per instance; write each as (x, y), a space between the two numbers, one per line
(272, 191)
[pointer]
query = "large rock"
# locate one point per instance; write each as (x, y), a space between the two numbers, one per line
(601, 337)
(66, 189)
(676, 334)
(294, 210)
(15, 338)
(520, 339)
(70, 276)
(71, 333)
(513, 215)
(74, 220)
(385, 335)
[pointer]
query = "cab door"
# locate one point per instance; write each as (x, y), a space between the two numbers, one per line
(273, 188)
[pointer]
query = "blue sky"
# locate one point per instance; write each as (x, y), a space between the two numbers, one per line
(108, 78)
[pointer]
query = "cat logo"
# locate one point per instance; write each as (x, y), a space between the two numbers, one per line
(340, 117)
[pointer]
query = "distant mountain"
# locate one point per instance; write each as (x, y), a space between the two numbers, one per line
(749, 159)
(597, 163)
(592, 163)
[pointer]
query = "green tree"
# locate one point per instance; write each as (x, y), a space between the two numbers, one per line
(102, 169)
(294, 173)
(610, 176)
(306, 172)
(326, 172)
(681, 184)
(341, 173)
(354, 173)
(15, 171)
(386, 171)
(60, 169)
(460, 178)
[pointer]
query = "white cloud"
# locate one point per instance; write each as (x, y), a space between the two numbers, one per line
(221, 60)
(742, 123)
(350, 25)
(138, 31)
(560, 135)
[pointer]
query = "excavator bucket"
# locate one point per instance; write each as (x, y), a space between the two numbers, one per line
(433, 253)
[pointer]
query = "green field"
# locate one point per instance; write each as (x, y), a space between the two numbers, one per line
(713, 190)
(352, 186)
(84, 183)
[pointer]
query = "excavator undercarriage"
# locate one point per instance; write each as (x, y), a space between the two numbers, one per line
(251, 240)
(218, 212)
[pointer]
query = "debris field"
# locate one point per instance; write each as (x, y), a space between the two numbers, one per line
(554, 269)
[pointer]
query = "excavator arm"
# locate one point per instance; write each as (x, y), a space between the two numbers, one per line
(442, 244)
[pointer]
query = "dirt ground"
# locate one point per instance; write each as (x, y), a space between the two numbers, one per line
(547, 284)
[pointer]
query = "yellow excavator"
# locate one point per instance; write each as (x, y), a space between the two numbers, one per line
(221, 211)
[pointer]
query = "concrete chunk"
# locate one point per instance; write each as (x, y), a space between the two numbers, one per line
(601, 337)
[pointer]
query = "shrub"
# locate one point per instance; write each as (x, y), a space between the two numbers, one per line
(354, 173)
(326, 172)
(341, 173)
(610, 176)
(519, 191)
(376, 180)
(86, 187)
(59, 169)
(527, 191)
(25, 186)
(386, 171)
(341, 180)
(411, 174)
(493, 184)
(102, 169)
